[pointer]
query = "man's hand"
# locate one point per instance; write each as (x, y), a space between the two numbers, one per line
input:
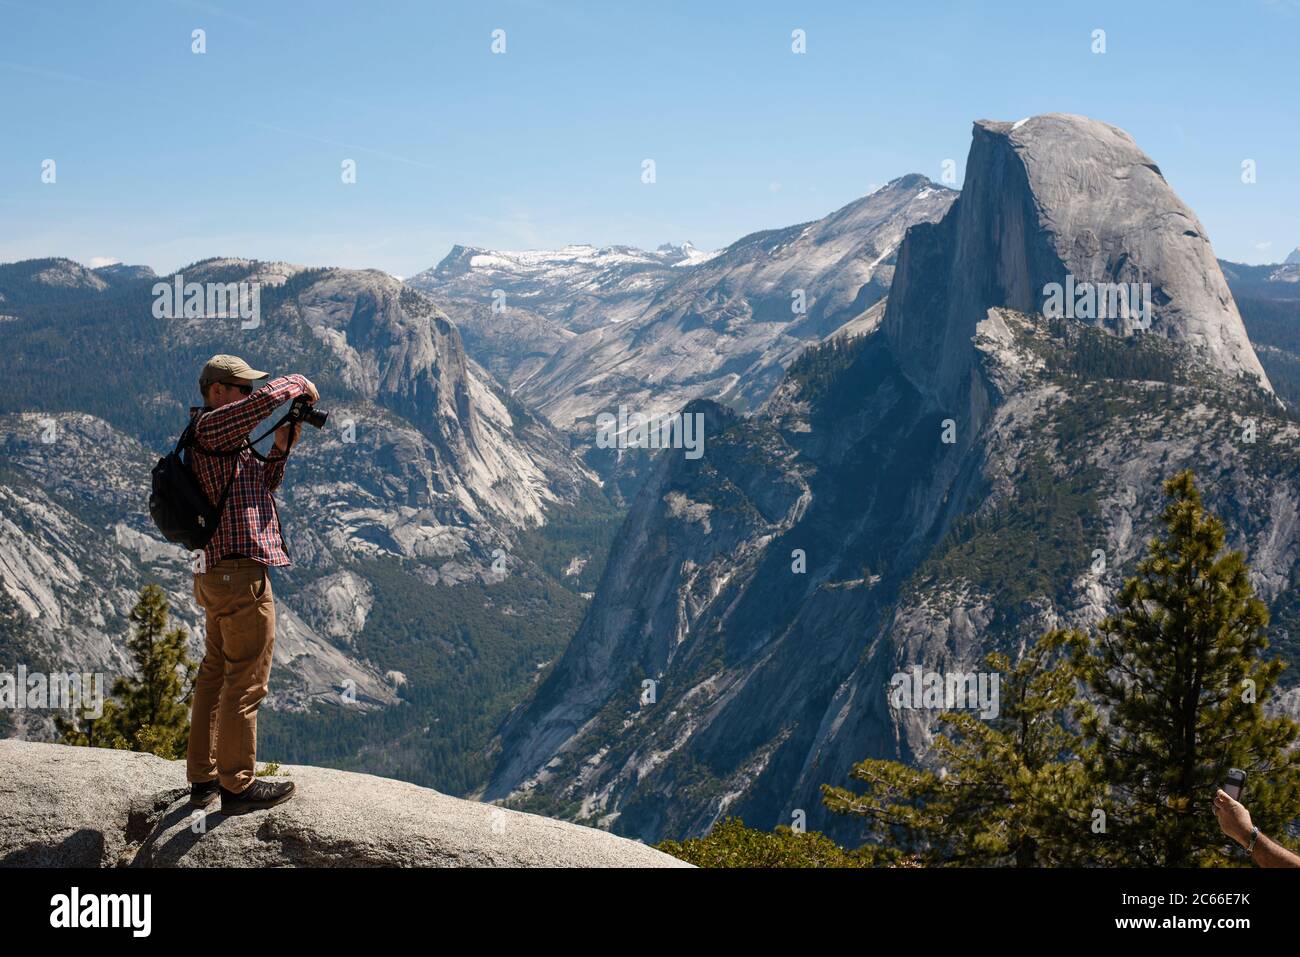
(1233, 817)
(287, 435)
(1236, 823)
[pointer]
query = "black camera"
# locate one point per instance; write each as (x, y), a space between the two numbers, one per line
(303, 411)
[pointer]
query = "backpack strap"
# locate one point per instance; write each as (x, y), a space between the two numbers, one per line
(188, 440)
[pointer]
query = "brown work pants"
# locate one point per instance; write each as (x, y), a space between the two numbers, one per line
(232, 680)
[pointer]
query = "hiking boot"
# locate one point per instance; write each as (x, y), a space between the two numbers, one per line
(204, 794)
(258, 796)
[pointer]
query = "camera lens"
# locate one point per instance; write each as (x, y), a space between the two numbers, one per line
(303, 411)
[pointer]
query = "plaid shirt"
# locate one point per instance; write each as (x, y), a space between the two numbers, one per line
(249, 522)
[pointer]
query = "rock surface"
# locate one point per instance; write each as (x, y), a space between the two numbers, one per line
(654, 331)
(426, 462)
(579, 287)
(90, 807)
(771, 588)
(395, 515)
(1047, 198)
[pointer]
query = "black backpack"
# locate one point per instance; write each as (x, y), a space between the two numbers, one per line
(177, 504)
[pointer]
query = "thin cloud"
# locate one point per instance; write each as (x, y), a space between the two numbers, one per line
(345, 146)
(212, 10)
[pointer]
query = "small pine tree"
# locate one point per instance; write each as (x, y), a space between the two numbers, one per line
(1178, 686)
(731, 844)
(151, 711)
(94, 731)
(1011, 791)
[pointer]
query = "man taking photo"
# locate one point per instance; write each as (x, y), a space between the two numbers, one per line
(233, 585)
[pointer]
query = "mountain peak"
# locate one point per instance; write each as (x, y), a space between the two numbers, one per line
(911, 181)
(1058, 199)
(1094, 138)
(238, 269)
(123, 272)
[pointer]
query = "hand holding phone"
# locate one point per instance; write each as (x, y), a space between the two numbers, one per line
(1235, 783)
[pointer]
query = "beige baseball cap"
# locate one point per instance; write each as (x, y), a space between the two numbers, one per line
(225, 368)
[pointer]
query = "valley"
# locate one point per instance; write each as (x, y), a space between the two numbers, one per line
(903, 452)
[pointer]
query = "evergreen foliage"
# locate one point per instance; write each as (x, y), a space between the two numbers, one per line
(731, 844)
(1178, 685)
(148, 711)
(1011, 791)
(1109, 747)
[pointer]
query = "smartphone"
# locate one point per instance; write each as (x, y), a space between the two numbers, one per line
(1235, 784)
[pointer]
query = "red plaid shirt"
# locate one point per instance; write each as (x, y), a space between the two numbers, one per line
(249, 523)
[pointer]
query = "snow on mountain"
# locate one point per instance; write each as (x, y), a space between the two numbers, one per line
(579, 286)
(583, 329)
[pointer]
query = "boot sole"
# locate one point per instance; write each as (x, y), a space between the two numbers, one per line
(205, 803)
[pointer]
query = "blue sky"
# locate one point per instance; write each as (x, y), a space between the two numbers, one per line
(165, 156)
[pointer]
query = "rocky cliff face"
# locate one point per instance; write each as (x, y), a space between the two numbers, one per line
(428, 472)
(1268, 297)
(578, 287)
(74, 551)
(1275, 281)
(43, 281)
(916, 496)
(89, 807)
(1048, 198)
(654, 335)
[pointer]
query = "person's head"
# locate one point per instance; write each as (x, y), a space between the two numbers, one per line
(226, 379)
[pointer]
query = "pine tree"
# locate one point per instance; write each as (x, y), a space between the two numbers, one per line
(151, 711)
(730, 843)
(94, 731)
(1178, 686)
(1010, 792)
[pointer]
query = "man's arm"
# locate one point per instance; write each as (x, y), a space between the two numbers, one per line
(1268, 853)
(1235, 822)
(273, 468)
(225, 428)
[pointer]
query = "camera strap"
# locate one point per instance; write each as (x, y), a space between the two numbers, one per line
(189, 440)
(248, 444)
